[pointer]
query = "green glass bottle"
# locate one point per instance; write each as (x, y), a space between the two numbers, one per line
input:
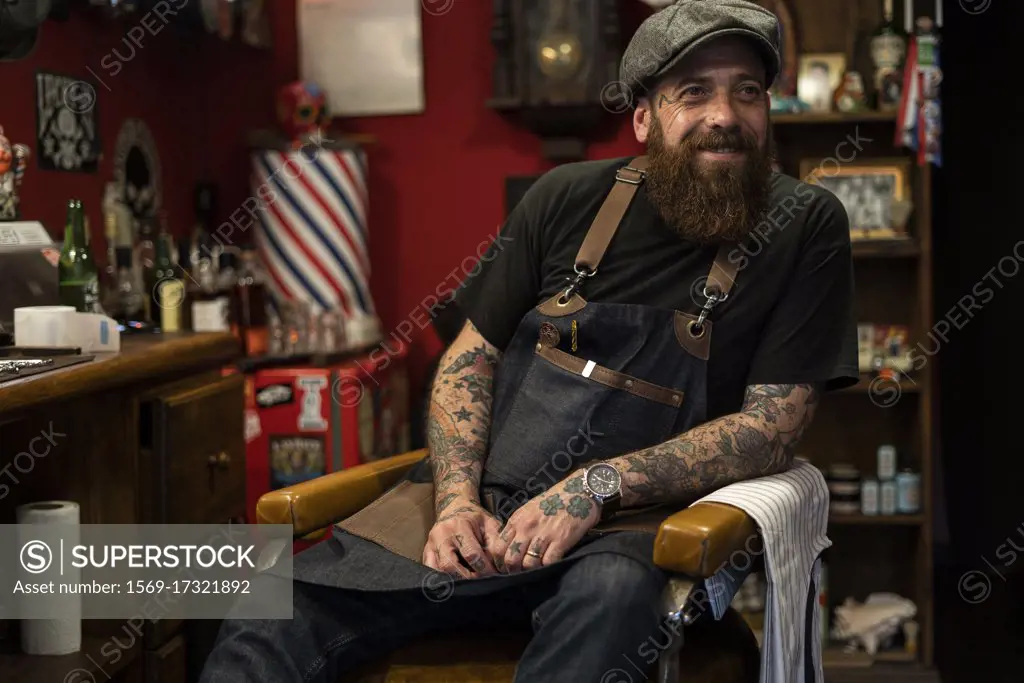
(77, 272)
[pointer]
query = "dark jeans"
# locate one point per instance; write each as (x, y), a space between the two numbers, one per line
(598, 621)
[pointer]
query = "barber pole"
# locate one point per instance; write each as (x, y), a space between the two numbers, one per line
(312, 232)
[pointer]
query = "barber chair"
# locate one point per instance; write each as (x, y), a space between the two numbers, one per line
(691, 544)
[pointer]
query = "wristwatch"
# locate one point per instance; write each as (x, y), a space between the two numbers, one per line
(603, 483)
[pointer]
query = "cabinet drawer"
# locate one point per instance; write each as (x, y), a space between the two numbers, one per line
(198, 452)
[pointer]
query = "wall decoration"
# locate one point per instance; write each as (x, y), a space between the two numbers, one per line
(137, 169)
(295, 459)
(818, 78)
(333, 32)
(875, 193)
(66, 124)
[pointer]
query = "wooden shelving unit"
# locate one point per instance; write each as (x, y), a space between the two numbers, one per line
(832, 117)
(893, 279)
(881, 520)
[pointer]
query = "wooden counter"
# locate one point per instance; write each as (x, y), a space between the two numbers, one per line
(150, 435)
(141, 359)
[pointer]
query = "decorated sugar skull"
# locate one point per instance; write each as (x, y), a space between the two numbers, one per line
(301, 109)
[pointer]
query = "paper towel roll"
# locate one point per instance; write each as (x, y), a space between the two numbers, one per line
(44, 326)
(51, 636)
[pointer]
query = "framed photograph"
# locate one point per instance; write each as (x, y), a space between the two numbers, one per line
(819, 76)
(876, 194)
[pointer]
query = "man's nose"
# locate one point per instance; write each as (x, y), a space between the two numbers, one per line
(720, 112)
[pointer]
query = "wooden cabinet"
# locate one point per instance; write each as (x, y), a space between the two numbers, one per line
(893, 281)
(191, 435)
(151, 435)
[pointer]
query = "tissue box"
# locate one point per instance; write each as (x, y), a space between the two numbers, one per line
(62, 326)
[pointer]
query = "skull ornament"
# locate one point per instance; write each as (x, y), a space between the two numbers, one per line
(301, 110)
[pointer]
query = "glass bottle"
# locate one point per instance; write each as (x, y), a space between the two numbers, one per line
(111, 277)
(131, 306)
(249, 306)
(888, 48)
(185, 274)
(146, 264)
(168, 292)
(209, 302)
(77, 272)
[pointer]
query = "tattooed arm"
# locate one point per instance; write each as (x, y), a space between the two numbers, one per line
(759, 440)
(460, 417)
(458, 424)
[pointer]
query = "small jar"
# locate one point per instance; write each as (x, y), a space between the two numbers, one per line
(869, 497)
(886, 462)
(844, 489)
(908, 492)
(887, 498)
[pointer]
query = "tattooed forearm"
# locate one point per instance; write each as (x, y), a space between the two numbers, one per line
(761, 439)
(459, 419)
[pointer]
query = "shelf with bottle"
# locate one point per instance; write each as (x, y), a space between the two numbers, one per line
(887, 493)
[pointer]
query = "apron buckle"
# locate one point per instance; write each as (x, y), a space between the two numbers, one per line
(575, 284)
(714, 297)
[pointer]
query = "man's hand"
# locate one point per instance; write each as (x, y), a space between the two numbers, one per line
(549, 525)
(467, 531)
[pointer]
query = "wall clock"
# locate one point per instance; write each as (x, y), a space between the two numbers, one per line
(555, 61)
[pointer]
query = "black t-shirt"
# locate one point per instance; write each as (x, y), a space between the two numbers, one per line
(787, 320)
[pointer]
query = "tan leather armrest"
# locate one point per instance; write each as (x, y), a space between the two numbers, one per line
(321, 502)
(699, 540)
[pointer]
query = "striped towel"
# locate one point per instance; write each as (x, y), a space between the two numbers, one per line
(791, 512)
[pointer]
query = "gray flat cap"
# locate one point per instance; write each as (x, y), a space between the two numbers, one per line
(675, 31)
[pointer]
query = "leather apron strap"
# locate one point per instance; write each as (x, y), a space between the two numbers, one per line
(609, 216)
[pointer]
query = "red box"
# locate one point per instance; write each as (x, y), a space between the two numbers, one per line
(288, 431)
(372, 394)
(302, 423)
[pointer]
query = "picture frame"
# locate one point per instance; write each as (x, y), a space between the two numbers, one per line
(67, 123)
(875, 192)
(819, 75)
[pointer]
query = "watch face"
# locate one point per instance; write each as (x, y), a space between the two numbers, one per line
(604, 480)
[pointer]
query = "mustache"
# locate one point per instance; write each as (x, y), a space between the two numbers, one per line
(718, 139)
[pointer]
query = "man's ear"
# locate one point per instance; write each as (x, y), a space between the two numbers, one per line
(642, 120)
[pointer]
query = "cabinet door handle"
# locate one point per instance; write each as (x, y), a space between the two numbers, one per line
(221, 460)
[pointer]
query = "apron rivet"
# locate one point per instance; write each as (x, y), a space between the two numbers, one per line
(629, 383)
(549, 335)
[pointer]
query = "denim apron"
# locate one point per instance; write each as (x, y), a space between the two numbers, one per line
(579, 382)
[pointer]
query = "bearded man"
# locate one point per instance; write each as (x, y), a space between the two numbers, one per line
(647, 331)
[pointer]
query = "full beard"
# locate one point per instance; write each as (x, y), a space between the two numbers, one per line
(712, 201)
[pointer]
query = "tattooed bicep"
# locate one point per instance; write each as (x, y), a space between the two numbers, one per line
(775, 402)
(469, 350)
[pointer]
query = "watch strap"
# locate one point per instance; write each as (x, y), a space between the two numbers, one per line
(610, 505)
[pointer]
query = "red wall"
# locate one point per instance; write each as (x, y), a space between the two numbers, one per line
(436, 179)
(198, 95)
